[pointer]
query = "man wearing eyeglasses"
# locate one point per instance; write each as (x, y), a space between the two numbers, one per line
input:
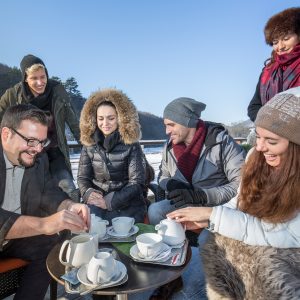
(33, 210)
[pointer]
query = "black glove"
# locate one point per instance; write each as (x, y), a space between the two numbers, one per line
(183, 197)
(173, 184)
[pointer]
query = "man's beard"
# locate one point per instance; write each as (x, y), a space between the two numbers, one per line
(24, 163)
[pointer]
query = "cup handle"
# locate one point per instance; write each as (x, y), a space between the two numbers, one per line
(98, 279)
(117, 269)
(132, 222)
(61, 251)
(148, 249)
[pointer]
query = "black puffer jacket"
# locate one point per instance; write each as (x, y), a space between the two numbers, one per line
(110, 165)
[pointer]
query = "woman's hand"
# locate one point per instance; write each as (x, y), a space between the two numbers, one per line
(97, 200)
(192, 217)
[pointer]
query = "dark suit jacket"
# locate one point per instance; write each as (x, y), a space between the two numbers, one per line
(39, 196)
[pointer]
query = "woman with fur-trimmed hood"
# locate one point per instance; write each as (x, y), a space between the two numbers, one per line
(111, 173)
(282, 70)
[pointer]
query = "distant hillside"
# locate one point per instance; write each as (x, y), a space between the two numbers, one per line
(240, 129)
(8, 77)
(153, 127)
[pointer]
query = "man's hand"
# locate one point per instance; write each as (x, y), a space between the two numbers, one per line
(65, 219)
(182, 197)
(97, 200)
(173, 184)
(70, 215)
(83, 211)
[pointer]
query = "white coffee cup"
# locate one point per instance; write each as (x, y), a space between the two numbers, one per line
(102, 268)
(122, 225)
(98, 226)
(80, 250)
(149, 244)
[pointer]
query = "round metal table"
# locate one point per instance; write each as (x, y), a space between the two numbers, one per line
(141, 276)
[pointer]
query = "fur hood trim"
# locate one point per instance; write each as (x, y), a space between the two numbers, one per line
(287, 21)
(128, 119)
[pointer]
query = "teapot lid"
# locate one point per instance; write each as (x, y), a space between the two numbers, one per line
(93, 216)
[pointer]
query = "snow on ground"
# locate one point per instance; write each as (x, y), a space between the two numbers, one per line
(153, 156)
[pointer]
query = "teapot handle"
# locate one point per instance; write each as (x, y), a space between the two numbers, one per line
(160, 228)
(61, 251)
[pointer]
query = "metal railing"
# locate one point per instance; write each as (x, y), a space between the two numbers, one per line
(75, 145)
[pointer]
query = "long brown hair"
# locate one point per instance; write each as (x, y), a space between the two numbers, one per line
(268, 193)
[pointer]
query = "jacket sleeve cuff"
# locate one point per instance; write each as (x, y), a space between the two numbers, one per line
(108, 200)
(86, 195)
(213, 219)
(5, 227)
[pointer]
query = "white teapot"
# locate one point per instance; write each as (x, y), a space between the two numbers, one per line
(80, 250)
(171, 232)
(95, 218)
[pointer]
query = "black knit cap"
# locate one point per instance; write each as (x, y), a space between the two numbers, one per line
(28, 61)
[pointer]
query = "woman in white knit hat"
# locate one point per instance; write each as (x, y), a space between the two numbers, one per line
(256, 246)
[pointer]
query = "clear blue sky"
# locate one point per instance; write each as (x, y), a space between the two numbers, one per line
(155, 50)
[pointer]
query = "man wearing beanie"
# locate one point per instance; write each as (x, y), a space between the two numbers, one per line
(49, 95)
(254, 251)
(200, 165)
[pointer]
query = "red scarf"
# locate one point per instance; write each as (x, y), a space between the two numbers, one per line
(282, 74)
(188, 156)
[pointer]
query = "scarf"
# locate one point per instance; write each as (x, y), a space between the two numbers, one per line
(107, 142)
(188, 156)
(44, 102)
(282, 74)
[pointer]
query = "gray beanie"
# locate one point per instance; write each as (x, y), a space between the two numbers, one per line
(281, 115)
(184, 111)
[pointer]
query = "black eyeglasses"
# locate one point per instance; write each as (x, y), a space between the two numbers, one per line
(32, 142)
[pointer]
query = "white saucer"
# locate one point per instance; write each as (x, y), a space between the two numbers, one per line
(164, 256)
(82, 277)
(134, 229)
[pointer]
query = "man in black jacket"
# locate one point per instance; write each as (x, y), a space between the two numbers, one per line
(49, 95)
(33, 210)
